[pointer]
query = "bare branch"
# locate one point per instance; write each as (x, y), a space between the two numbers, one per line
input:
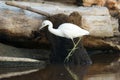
(28, 8)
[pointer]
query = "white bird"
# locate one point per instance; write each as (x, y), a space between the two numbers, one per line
(67, 30)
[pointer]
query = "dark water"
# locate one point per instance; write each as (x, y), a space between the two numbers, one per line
(105, 67)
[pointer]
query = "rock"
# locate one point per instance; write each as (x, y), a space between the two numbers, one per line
(110, 43)
(115, 24)
(11, 64)
(19, 57)
(99, 26)
(19, 61)
(10, 51)
(11, 72)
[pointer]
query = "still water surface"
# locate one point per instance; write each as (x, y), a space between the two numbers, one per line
(104, 67)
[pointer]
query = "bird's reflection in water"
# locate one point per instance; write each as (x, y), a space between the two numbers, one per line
(77, 72)
(54, 72)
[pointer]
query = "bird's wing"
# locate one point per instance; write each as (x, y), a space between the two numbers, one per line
(69, 32)
(72, 31)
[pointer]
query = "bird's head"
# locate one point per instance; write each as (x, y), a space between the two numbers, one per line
(45, 23)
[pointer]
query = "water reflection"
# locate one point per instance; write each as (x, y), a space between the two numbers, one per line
(104, 67)
(110, 76)
(77, 72)
(10, 74)
(52, 72)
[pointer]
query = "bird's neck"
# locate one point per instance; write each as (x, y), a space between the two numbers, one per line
(54, 31)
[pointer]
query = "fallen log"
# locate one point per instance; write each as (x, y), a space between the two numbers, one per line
(25, 29)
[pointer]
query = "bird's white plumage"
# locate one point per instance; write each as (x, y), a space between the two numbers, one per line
(70, 30)
(67, 30)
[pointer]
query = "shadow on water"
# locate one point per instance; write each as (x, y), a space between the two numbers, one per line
(104, 67)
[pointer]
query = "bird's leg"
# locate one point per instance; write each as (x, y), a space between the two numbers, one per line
(74, 45)
(70, 53)
(78, 41)
(73, 42)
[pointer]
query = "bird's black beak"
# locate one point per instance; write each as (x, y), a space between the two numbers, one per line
(42, 27)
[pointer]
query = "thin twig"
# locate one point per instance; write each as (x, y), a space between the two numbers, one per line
(27, 8)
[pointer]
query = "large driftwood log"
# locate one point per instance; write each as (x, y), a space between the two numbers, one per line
(24, 29)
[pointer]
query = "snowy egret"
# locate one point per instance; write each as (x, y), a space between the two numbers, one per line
(67, 30)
